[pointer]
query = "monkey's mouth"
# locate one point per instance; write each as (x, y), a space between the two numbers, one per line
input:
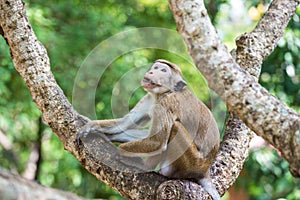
(149, 84)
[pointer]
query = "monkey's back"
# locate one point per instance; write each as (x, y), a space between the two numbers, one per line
(193, 159)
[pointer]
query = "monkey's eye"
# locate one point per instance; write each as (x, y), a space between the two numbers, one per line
(163, 70)
(155, 67)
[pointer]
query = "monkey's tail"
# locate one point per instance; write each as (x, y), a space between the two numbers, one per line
(210, 188)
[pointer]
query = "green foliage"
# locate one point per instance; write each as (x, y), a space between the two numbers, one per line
(280, 72)
(71, 29)
(18, 114)
(267, 176)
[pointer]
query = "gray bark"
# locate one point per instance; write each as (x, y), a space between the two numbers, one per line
(252, 49)
(15, 187)
(263, 113)
(31, 61)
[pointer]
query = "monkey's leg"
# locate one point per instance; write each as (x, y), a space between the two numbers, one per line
(181, 154)
(181, 144)
(94, 127)
(185, 161)
(146, 147)
(128, 136)
(158, 137)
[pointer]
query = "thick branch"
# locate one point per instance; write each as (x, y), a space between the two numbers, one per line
(234, 149)
(15, 187)
(253, 48)
(31, 61)
(262, 112)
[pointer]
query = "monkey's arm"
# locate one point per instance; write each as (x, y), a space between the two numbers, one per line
(136, 118)
(158, 138)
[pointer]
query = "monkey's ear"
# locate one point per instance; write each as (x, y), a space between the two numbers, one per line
(179, 85)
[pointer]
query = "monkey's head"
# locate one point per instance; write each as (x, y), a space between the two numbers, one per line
(162, 77)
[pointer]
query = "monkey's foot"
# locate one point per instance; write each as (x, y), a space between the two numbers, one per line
(86, 130)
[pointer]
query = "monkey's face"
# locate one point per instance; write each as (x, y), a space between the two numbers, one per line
(162, 78)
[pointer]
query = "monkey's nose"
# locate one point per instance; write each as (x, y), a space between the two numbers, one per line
(149, 74)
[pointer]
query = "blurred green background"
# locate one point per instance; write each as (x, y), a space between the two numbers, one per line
(70, 30)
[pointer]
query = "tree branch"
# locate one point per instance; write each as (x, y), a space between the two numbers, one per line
(9, 151)
(15, 187)
(96, 154)
(252, 49)
(234, 149)
(261, 111)
(31, 61)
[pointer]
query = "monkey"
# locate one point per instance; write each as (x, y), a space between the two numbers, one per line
(183, 138)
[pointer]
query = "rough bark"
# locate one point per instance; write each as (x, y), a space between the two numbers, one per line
(95, 153)
(31, 61)
(261, 111)
(15, 187)
(252, 49)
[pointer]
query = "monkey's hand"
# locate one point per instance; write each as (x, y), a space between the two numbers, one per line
(90, 127)
(99, 127)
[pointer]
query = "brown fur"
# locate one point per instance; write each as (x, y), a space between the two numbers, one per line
(183, 138)
(183, 116)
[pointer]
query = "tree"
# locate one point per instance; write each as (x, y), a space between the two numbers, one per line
(245, 98)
